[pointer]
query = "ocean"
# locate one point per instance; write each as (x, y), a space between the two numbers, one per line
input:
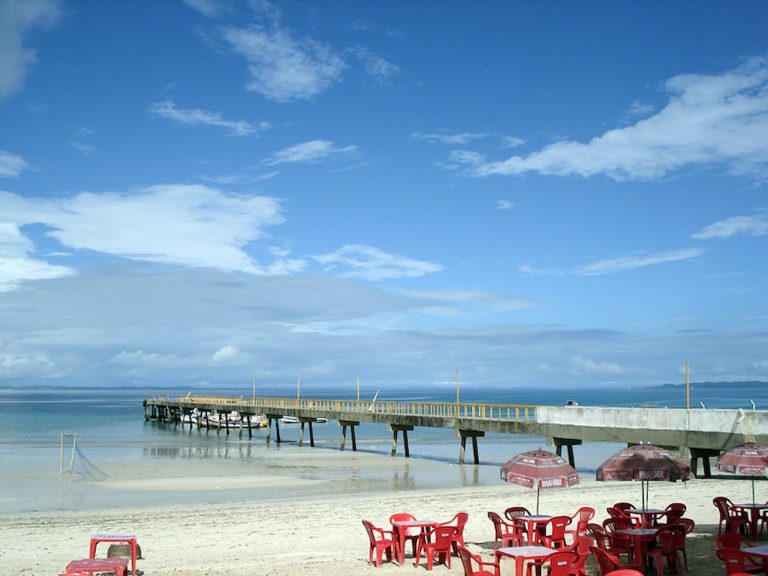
(123, 461)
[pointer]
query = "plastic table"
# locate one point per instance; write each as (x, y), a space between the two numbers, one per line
(532, 524)
(754, 516)
(401, 529)
(130, 539)
(522, 553)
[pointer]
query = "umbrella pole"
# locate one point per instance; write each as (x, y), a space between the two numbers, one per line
(753, 489)
(538, 491)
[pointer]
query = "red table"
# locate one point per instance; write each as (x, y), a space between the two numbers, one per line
(522, 553)
(117, 565)
(130, 539)
(400, 528)
(641, 536)
(532, 524)
(754, 516)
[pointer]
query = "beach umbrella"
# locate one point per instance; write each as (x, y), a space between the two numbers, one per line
(644, 462)
(539, 469)
(748, 459)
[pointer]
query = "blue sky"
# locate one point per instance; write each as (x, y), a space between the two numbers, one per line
(201, 192)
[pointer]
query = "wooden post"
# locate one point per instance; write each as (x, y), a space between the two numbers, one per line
(473, 434)
(311, 435)
(343, 436)
(394, 442)
(301, 434)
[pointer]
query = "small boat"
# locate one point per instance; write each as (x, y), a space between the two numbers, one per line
(295, 420)
(233, 420)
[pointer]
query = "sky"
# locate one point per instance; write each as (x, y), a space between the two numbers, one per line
(210, 193)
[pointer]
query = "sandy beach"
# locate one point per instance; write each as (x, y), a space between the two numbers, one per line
(324, 535)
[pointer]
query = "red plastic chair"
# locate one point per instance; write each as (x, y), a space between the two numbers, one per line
(554, 536)
(625, 572)
(504, 532)
(620, 543)
(738, 562)
(438, 543)
(383, 541)
(582, 517)
(514, 511)
(622, 516)
(667, 546)
(732, 520)
(606, 562)
(412, 535)
(467, 558)
(581, 547)
(733, 540)
(674, 512)
(688, 526)
(460, 521)
(559, 563)
(607, 542)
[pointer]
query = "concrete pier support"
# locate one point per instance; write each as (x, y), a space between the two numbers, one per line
(404, 429)
(310, 421)
(351, 425)
(474, 435)
(569, 443)
(705, 454)
(276, 419)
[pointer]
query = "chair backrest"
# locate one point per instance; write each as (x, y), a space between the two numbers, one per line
(461, 520)
(580, 546)
(561, 563)
(670, 538)
(625, 572)
(443, 537)
(514, 511)
(598, 533)
(733, 559)
(369, 529)
(732, 540)
(723, 506)
(498, 524)
(687, 523)
(613, 524)
(606, 561)
(583, 516)
(403, 517)
(556, 526)
(623, 506)
(466, 560)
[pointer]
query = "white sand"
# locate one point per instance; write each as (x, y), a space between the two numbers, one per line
(324, 535)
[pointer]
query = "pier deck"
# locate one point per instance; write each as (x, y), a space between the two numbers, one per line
(695, 432)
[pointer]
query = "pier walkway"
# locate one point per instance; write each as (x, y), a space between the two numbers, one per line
(697, 433)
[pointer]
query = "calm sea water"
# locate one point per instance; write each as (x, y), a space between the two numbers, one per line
(124, 461)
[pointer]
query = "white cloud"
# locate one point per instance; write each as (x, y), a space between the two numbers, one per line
(736, 225)
(505, 204)
(450, 139)
(138, 357)
(359, 261)
(284, 68)
(196, 117)
(623, 263)
(25, 365)
(16, 264)
(227, 354)
(580, 364)
(308, 152)
(374, 64)
(640, 109)
(710, 120)
(620, 264)
(11, 165)
(189, 225)
(17, 17)
(209, 8)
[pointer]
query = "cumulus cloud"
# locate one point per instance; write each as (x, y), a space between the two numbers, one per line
(282, 67)
(227, 354)
(16, 262)
(196, 117)
(308, 152)
(709, 120)
(189, 225)
(17, 17)
(359, 261)
(735, 226)
(581, 364)
(375, 65)
(11, 165)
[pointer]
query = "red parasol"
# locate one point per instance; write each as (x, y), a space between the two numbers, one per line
(747, 459)
(644, 462)
(539, 469)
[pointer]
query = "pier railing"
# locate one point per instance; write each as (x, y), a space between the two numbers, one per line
(484, 411)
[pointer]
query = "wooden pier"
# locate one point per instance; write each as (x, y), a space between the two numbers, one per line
(697, 433)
